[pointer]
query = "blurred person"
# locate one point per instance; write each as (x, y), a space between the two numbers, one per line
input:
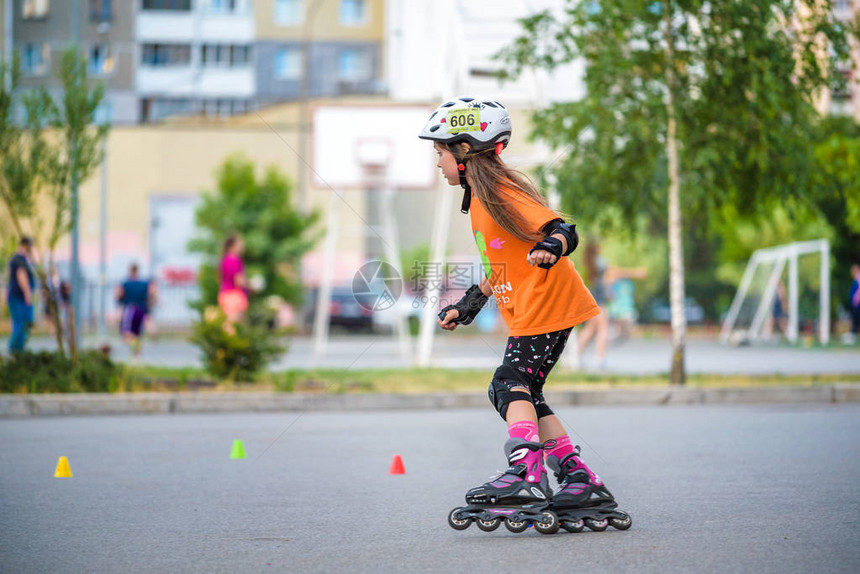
(233, 290)
(524, 246)
(601, 277)
(622, 307)
(22, 283)
(777, 318)
(137, 296)
(855, 301)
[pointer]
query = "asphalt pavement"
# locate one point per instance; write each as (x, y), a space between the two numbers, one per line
(710, 488)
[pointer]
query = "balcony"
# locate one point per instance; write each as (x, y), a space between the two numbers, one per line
(187, 81)
(198, 26)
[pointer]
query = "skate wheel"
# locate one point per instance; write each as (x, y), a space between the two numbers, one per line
(597, 525)
(548, 523)
(488, 525)
(457, 523)
(621, 523)
(573, 525)
(516, 525)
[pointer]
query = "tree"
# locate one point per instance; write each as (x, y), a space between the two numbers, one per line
(688, 103)
(275, 234)
(42, 166)
(837, 157)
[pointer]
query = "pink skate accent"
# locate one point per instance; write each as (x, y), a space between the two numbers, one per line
(562, 448)
(525, 430)
(534, 466)
(595, 480)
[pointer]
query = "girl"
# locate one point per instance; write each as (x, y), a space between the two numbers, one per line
(601, 277)
(523, 246)
(232, 294)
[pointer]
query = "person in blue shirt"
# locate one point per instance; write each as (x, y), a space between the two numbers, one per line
(20, 297)
(136, 295)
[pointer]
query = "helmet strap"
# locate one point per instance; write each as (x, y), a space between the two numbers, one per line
(467, 189)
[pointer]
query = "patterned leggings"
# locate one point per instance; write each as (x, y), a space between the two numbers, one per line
(534, 357)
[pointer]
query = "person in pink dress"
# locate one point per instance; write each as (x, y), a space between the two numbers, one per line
(232, 294)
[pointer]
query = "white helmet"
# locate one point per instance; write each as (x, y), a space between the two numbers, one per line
(480, 123)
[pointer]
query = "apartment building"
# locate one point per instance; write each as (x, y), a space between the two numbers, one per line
(41, 29)
(195, 57)
(163, 58)
(318, 48)
(847, 101)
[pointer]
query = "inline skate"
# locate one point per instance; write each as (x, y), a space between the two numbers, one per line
(581, 499)
(519, 496)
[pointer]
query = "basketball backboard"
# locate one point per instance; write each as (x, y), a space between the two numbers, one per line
(348, 139)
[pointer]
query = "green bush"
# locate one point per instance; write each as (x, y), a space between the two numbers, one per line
(50, 372)
(234, 352)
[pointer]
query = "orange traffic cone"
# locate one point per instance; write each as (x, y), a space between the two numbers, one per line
(397, 466)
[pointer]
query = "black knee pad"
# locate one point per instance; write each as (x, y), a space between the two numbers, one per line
(541, 408)
(506, 387)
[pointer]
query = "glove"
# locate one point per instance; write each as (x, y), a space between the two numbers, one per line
(468, 307)
(550, 245)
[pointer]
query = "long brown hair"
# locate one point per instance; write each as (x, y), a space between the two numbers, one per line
(487, 173)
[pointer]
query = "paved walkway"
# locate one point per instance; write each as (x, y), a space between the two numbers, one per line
(456, 351)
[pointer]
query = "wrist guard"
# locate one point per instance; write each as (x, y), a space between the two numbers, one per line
(468, 307)
(550, 245)
(553, 245)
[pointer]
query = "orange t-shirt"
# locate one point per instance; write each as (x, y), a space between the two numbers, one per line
(532, 301)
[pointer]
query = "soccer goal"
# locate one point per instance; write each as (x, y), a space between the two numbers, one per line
(769, 264)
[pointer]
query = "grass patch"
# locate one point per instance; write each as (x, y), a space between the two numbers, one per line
(415, 381)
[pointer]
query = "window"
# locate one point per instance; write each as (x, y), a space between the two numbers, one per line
(225, 6)
(101, 61)
(35, 9)
(183, 5)
(162, 55)
(354, 65)
(289, 12)
(215, 55)
(352, 12)
(240, 56)
(104, 113)
(288, 64)
(226, 55)
(35, 58)
(159, 109)
(100, 10)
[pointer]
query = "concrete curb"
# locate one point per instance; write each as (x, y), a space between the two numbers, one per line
(161, 403)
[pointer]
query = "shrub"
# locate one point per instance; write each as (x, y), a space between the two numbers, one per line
(233, 352)
(50, 372)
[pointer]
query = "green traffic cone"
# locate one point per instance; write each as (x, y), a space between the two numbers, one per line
(238, 449)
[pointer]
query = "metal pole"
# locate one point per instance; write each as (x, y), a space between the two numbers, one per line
(392, 253)
(103, 243)
(765, 308)
(824, 316)
(792, 299)
(73, 153)
(440, 241)
(8, 39)
(323, 302)
(732, 316)
(304, 97)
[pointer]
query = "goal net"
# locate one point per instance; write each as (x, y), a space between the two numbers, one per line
(763, 288)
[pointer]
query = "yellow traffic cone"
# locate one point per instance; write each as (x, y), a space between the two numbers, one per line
(63, 470)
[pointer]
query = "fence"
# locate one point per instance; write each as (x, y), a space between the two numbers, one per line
(172, 312)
